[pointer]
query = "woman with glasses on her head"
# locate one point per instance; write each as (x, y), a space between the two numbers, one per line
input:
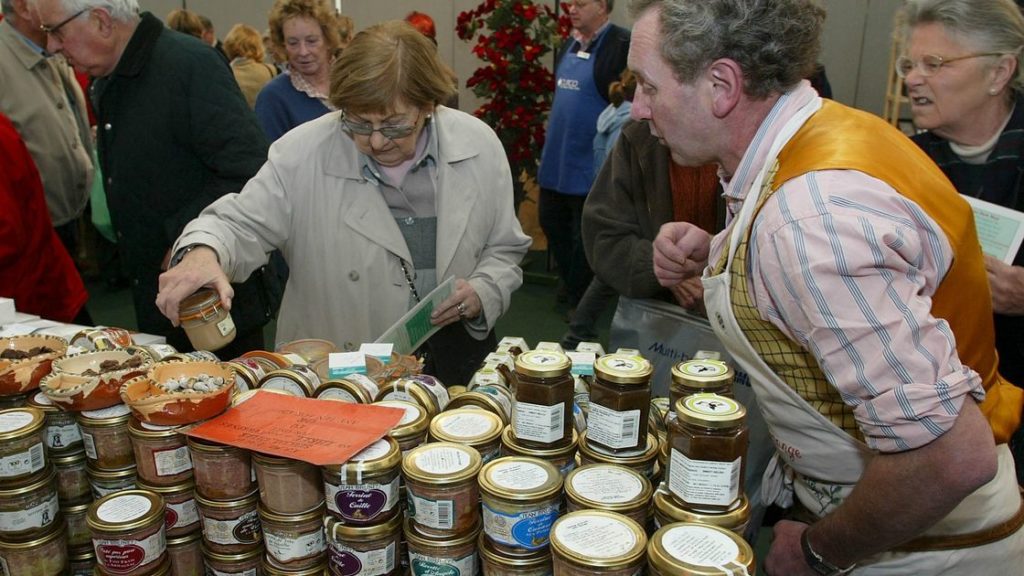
(962, 71)
(373, 206)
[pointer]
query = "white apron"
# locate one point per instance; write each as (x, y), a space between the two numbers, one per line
(823, 462)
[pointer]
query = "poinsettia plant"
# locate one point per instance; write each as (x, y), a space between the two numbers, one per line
(512, 38)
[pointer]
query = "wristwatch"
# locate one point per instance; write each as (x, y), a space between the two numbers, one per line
(817, 562)
(182, 252)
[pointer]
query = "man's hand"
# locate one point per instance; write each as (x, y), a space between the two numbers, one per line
(680, 252)
(690, 294)
(1007, 285)
(785, 555)
(197, 269)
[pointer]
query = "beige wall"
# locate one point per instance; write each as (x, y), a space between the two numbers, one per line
(855, 53)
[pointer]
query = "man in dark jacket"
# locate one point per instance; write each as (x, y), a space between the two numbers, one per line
(174, 134)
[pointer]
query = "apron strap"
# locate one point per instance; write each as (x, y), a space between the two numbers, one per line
(970, 540)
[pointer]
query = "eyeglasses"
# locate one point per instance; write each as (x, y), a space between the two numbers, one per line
(929, 64)
(391, 132)
(55, 29)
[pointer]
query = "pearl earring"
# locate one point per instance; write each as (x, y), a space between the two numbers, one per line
(992, 91)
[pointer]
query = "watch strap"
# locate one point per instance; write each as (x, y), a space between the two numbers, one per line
(817, 562)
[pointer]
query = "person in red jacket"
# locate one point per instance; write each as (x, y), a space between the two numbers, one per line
(35, 268)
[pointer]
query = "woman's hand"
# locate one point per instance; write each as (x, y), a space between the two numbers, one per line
(198, 268)
(463, 304)
(1007, 285)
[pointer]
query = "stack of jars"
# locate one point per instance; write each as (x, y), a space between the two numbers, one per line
(542, 415)
(110, 459)
(291, 514)
(128, 533)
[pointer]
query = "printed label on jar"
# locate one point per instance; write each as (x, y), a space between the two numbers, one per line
(436, 389)
(703, 369)
(226, 326)
(345, 561)
(502, 399)
(58, 437)
(539, 423)
(37, 516)
(607, 485)
(11, 421)
(412, 413)
(423, 565)
(362, 502)
(467, 425)
(400, 395)
(181, 515)
(28, 462)
(285, 385)
(700, 546)
(90, 446)
(436, 514)
(99, 491)
(519, 475)
(115, 411)
(530, 529)
(443, 460)
(375, 451)
(245, 530)
(365, 382)
(124, 508)
(172, 461)
(41, 399)
(286, 548)
(613, 428)
(338, 395)
(123, 556)
(596, 536)
(704, 481)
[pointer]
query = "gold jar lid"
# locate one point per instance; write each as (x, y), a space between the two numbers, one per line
(520, 478)
(416, 538)
(413, 423)
(185, 539)
(630, 458)
(381, 456)
(623, 369)
(18, 423)
(476, 400)
(53, 531)
(243, 502)
(543, 363)
(126, 511)
(710, 411)
(607, 487)
(441, 463)
(138, 429)
(345, 533)
(529, 563)
(268, 569)
(75, 509)
(343, 391)
(237, 557)
(456, 390)
(68, 460)
(288, 380)
(245, 372)
(510, 442)
(703, 373)
(468, 426)
(115, 415)
(82, 555)
(168, 491)
(410, 391)
(730, 519)
(34, 482)
(201, 445)
(598, 538)
(301, 517)
(686, 549)
(40, 401)
(110, 475)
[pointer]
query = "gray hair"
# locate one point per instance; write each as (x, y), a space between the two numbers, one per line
(775, 42)
(987, 25)
(123, 10)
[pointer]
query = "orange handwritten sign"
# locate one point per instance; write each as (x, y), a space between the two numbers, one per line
(316, 431)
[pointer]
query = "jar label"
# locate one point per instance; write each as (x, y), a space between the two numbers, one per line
(22, 463)
(539, 423)
(699, 546)
(704, 481)
(597, 536)
(36, 516)
(362, 502)
(90, 446)
(612, 428)
(434, 386)
(124, 556)
(711, 405)
(403, 396)
(172, 461)
(337, 394)
(156, 427)
(285, 385)
(99, 490)
(14, 420)
(467, 425)
(115, 411)
(423, 565)
(365, 382)
(60, 437)
(346, 561)
(412, 413)
(42, 399)
(245, 529)
(607, 485)
(124, 508)
(485, 377)
(375, 451)
(436, 514)
(287, 546)
(703, 368)
(519, 476)
(503, 399)
(528, 529)
(180, 515)
(226, 326)
(443, 460)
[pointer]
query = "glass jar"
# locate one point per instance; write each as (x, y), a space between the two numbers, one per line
(182, 511)
(310, 350)
(657, 419)
(520, 498)
(44, 555)
(221, 472)
(105, 433)
(295, 380)
(698, 550)
(268, 569)
(668, 510)
(591, 542)
(72, 477)
(542, 414)
(230, 527)
(161, 453)
(61, 429)
(497, 563)
(563, 458)
(78, 526)
(29, 507)
(441, 488)
(420, 389)
(411, 430)
(287, 486)
(470, 427)
(365, 490)
(372, 550)
(128, 532)
(248, 373)
(620, 403)
(81, 562)
(245, 563)
(497, 399)
(207, 323)
(708, 452)
(609, 487)
(344, 390)
(106, 482)
(700, 376)
(186, 554)
(294, 541)
(22, 443)
(445, 555)
(13, 401)
(644, 461)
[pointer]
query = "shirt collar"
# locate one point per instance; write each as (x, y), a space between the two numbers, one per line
(597, 34)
